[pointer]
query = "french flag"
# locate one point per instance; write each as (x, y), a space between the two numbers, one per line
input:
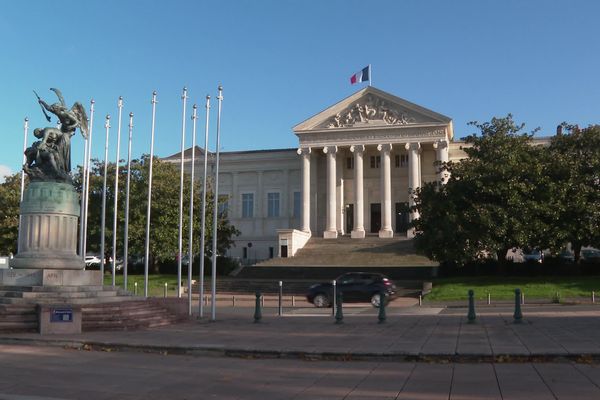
(361, 76)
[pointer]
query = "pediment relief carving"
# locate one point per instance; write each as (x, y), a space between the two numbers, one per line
(370, 111)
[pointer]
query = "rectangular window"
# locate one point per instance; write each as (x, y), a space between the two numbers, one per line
(223, 205)
(247, 205)
(375, 161)
(350, 163)
(271, 252)
(244, 253)
(403, 160)
(397, 159)
(297, 204)
(273, 205)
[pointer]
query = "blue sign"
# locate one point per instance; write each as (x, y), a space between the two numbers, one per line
(61, 315)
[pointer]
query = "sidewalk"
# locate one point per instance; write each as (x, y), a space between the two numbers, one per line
(409, 334)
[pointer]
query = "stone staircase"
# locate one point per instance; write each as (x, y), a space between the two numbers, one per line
(103, 308)
(371, 251)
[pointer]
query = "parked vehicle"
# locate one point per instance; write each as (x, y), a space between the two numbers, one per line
(590, 256)
(534, 255)
(92, 260)
(356, 287)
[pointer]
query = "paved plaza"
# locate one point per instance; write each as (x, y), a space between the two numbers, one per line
(418, 353)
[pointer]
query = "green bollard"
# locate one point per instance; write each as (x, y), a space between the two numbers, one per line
(381, 317)
(339, 315)
(257, 309)
(518, 315)
(471, 316)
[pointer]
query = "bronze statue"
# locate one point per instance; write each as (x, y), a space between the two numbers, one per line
(49, 159)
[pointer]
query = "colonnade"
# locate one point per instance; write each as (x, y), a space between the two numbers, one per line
(414, 182)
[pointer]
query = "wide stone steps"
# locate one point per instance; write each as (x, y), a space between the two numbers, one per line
(18, 319)
(137, 314)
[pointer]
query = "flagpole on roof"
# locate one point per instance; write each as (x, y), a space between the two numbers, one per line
(370, 75)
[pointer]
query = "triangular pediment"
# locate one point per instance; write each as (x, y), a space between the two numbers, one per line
(371, 108)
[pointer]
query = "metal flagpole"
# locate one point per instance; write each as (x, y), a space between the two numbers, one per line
(213, 305)
(87, 179)
(25, 131)
(191, 229)
(202, 228)
(115, 211)
(370, 75)
(147, 252)
(180, 237)
(103, 223)
(82, 200)
(126, 230)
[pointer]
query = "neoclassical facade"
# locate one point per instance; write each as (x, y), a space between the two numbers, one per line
(352, 174)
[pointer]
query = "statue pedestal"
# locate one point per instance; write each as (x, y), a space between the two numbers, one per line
(48, 228)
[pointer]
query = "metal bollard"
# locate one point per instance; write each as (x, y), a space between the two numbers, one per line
(381, 317)
(471, 316)
(233, 301)
(166, 288)
(293, 301)
(339, 315)
(262, 301)
(518, 315)
(257, 308)
(334, 305)
(522, 298)
(593, 297)
(135, 288)
(420, 300)
(489, 299)
(280, 298)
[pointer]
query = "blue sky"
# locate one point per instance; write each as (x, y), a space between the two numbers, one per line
(282, 61)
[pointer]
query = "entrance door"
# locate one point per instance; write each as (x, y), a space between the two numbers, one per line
(284, 251)
(375, 217)
(402, 217)
(349, 217)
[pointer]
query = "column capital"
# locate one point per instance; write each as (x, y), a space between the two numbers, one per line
(303, 151)
(416, 146)
(440, 144)
(330, 149)
(357, 148)
(384, 147)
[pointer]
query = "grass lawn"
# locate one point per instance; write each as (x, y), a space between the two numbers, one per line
(503, 288)
(156, 283)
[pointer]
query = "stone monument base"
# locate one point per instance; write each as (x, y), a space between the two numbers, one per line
(49, 277)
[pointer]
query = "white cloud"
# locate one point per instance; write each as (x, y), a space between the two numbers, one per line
(4, 172)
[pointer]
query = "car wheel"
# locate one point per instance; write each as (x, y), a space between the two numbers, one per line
(376, 300)
(321, 301)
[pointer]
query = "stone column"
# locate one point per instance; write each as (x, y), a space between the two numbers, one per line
(441, 154)
(331, 229)
(359, 209)
(386, 230)
(305, 153)
(414, 175)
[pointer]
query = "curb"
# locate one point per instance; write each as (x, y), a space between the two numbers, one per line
(221, 351)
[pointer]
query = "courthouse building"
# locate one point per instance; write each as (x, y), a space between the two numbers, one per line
(351, 174)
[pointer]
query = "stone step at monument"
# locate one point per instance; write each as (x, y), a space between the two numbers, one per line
(87, 288)
(59, 300)
(18, 319)
(58, 295)
(137, 314)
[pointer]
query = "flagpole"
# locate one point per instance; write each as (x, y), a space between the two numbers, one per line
(203, 223)
(25, 131)
(126, 231)
(370, 75)
(87, 178)
(147, 252)
(180, 237)
(191, 228)
(103, 223)
(82, 199)
(115, 210)
(215, 214)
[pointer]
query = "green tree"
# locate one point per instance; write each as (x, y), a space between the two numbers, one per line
(573, 168)
(9, 213)
(164, 212)
(493, 201)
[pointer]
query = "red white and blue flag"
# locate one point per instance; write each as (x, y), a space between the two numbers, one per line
(361, 76)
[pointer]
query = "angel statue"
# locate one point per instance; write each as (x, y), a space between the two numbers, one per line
(49, 159)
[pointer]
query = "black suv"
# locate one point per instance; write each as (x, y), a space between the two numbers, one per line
(356, 287)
